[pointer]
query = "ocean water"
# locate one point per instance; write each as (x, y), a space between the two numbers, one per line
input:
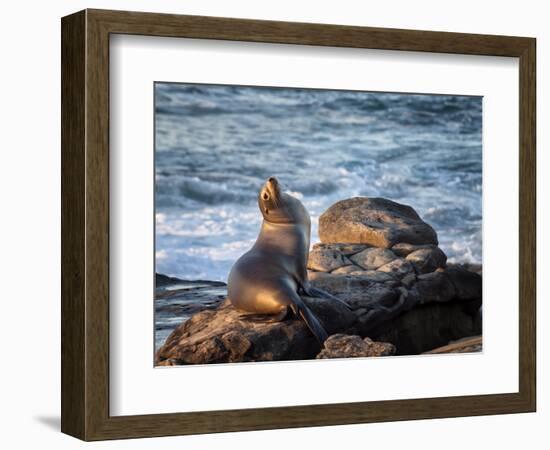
(216, 145)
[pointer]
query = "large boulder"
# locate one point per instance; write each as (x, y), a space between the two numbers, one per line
(229, 335)
(345, 346)
(374, 221)
(226, 335)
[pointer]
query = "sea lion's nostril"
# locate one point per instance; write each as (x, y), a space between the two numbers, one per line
(271, 179)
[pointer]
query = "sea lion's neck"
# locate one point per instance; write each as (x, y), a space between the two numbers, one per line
(291, 238)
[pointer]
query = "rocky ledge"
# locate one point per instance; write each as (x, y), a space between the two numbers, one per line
(383, 260)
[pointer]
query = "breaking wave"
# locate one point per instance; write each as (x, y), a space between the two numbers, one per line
(216, 145)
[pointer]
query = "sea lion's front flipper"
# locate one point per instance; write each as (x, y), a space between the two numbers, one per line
(311, 291)
(301, 309)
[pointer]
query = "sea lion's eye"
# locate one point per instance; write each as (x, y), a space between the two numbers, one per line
(265, 196)
(266, 211)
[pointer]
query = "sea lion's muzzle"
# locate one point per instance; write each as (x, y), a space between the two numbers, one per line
(272, 185)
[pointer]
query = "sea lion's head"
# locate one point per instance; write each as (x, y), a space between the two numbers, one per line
(279, 207)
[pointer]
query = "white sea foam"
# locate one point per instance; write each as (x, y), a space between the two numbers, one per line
(217, 145)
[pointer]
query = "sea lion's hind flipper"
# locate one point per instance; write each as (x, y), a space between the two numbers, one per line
(316, 292)
(301, 309)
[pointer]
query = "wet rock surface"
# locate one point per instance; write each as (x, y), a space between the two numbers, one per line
(177, 300)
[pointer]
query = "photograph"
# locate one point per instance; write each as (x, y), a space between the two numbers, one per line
(302, 224)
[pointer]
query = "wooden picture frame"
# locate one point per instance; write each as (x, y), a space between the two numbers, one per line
(85, 224)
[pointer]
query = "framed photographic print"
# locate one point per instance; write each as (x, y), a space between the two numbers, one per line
(271, 224)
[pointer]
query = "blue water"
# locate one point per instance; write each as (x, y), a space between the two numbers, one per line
(215, 146)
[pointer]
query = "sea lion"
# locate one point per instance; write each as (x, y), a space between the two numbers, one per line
(269, 277)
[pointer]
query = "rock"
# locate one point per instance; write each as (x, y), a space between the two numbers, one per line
(373, 303)
(367, 275)
(344, 249)
(428, 259)
(465, 345)
(229, 335)
(372, 258)
(386, 308)
(374, 221)
(345, 346)
(374, 295)
(176, 300)
(375, 276)
(337, 284)
(356, 290)
(162, 281)
(314, 275)
(326, 260)
(403, 249)
(353, 269)
(398, 268)
(468, 285)
(334, 316)
(426, 327)
(166, 363)
(408, 280)
(433, 287)
(410, 301)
